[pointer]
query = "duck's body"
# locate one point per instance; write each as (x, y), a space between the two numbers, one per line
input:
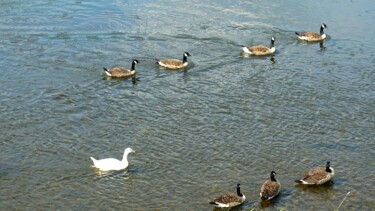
(112, 164)
(174, 63)
(260, 50)
(120, 72)
(318, 176)
(270, 188)
(312, 36)
(230, 199)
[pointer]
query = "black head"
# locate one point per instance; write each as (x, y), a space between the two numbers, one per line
(273, 174)
(186, 53)
(133, 64)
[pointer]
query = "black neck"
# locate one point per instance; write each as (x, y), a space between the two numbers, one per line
(133, 66)
(321, 30)
(184, 59)
(328, 169)
(239, 191)
(272, 43)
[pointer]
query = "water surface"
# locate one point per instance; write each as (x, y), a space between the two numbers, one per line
(227, 119)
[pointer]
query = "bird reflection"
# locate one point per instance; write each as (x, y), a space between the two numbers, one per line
(135, 80)
(111, 174)
(322, 46)
(265, 203)
(273, 60)
(316, 188)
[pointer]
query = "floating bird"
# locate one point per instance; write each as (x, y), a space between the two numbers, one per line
(318, 176)
(260, 50)
(120, 72)
(312, 36)
(230, 199)
(174, 63)
(112, 164)
(270, 188)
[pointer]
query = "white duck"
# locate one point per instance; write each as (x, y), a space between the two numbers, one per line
(112, 164)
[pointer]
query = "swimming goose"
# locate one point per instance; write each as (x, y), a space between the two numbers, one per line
(174, 63)
(260, 50)
(229, 199)
(270, 188)
(312, 36)
(318, 176)
(112, 164)
(120, 72)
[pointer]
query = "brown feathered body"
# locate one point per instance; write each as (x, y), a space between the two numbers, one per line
(120, 72)
(172, 63)
(312, 36)
(270, 188)
(260, 50)
(318, 176)
(229, 199)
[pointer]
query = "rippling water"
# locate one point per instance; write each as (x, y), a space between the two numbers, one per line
(227, 119)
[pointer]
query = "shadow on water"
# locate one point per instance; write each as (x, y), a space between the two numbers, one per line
(111, 174)
(271, 57)
(185, 71)
(134, 79)
(240, 207)
(245, 55)
(316, 189)
(266, 203)
(321, 43)
(55, 106)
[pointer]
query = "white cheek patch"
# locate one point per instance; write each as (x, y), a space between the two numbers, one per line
(246, 50)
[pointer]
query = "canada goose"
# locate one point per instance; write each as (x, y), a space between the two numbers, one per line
(270, 188)
(230, 199)
(174, 63)
(312, 36)
(318, 176)
(120, 72)
(260, 50)
(112, 164)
